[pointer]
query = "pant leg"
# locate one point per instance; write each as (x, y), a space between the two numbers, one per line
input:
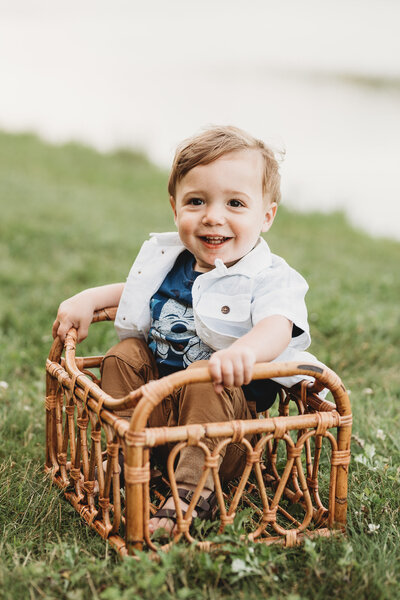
(198, 403)
(130, 364)
(127, 366)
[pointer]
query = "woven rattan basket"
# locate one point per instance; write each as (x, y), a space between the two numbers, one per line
(294, 482)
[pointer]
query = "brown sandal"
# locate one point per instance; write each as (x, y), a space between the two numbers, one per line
(205, 507)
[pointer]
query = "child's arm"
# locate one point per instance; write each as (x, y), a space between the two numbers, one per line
(78, 310)
(234, 365)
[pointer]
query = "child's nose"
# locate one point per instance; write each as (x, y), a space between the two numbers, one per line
(214, 215)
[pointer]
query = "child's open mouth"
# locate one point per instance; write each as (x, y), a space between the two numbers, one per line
(214, 240)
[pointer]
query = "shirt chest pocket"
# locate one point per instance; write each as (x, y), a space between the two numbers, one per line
(225, 309)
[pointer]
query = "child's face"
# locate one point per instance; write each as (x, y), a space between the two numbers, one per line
(220, 209)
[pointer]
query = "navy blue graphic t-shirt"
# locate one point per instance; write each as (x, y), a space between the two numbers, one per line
(172, 336)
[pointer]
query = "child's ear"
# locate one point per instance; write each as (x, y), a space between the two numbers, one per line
(173, 206)
(269, 216)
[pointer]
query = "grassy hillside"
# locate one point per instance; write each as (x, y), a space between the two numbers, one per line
(72, 218)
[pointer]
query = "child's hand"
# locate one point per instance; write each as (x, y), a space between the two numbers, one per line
(78, 311)
(232, 366)
(74, 312)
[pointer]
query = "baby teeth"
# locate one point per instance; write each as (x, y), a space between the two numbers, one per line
(214, 240)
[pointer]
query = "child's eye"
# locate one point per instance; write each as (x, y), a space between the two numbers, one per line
(195, 201)
(235, 203)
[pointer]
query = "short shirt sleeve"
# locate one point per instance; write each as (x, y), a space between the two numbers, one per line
(280, 290)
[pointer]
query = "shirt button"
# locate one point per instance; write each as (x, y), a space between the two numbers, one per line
(225, 310)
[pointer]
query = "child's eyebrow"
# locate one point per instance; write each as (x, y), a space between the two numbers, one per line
(193, 193)
(227, 192)
(236, 193)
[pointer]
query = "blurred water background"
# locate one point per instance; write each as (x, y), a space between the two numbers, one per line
(319, 80)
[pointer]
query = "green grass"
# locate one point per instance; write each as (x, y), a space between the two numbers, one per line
(72, 218)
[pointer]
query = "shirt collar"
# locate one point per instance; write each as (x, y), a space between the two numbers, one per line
(255, 261)
(168, 238)
(258, 259)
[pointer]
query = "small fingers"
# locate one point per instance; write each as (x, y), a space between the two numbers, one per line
(232, 368)
(82, 333)
(248, 365)
(222, 371)
(228, 370)
(64, 327)
(243, 363)
(214, 366)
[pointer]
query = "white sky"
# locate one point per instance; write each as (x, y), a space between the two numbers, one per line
(355, 35)
(149, 73)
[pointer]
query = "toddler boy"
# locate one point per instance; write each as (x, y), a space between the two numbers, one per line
(213, 291)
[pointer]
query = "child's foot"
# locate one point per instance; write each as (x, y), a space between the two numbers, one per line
(165, 517)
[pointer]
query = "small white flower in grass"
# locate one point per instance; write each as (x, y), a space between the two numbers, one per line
(372, 528)
(3, 385)
(368, 391)
(380, 434)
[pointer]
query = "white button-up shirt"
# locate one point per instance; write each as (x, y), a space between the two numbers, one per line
(227, 302)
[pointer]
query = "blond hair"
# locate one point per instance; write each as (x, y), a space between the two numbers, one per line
(213, 143)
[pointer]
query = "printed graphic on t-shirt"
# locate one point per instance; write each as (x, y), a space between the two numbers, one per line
(173, 338)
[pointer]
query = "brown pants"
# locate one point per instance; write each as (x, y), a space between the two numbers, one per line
(129, 364)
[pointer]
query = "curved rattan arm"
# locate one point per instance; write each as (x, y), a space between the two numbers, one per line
(105, 314)
(155, 391)
(89, 386)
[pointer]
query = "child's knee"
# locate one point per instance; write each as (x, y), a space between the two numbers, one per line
(127, 366)
(129, 350)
